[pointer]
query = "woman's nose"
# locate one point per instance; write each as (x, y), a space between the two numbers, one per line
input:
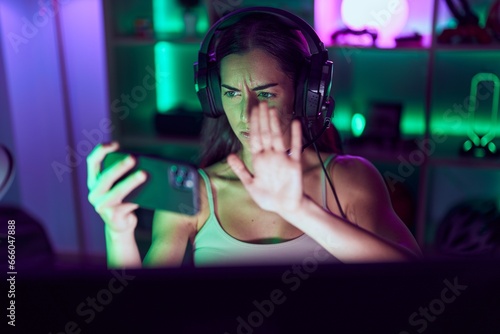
(246, 111)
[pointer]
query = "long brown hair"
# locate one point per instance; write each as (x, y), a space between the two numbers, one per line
(265, 32)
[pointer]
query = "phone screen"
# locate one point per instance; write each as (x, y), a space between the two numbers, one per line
(171, 185)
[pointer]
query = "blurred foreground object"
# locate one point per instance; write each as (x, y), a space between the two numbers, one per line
(6, 170)
(32, 246)
(470, 228)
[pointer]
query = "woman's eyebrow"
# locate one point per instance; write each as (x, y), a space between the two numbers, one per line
(253, 89)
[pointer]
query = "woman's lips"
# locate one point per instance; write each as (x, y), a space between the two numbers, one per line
(245, 134)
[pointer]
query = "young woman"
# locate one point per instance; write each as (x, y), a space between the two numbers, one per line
(263, 199)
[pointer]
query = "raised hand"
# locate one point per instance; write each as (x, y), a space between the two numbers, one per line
(107, 201)
(276, 183)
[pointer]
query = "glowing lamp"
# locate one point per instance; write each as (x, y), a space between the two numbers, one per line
(387, 17)
(358, 123)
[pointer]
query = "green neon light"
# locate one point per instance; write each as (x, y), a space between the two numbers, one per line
(479, 153)
(358, 124)
(412, 122)
(342, 119)
(164, 64)
(490, 135)
(492, 147)
(174, 64)
(467, 145)
(168, 18)
(203, 23)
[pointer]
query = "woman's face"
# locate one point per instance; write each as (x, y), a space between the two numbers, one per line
(246, 80)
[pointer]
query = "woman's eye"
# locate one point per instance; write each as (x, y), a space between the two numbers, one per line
(231, 93)
(266, 95)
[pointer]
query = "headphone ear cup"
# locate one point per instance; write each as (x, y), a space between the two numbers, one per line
(326, 84)
(301, 92)
(214, 91)
(207, 85)
(317, 89)
(312, 90)
(203, 92)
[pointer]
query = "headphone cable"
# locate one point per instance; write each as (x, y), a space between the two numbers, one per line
(313, 142)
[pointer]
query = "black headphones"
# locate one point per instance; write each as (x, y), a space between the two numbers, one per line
(312, 97)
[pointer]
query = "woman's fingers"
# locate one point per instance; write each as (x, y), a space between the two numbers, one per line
(255, 137)
(116, 195)
(296, 149)
(125, 208)
(94, 160)
(239, 169)
(264, 127)
(277, 137)
(125, 186)
(112, 174)
(107, 198)
(120, 217)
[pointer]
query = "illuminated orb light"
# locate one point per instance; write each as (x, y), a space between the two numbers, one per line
(387, 17)
(358, 124)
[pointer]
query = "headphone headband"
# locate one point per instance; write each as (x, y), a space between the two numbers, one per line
(293, 21)
(312, 99)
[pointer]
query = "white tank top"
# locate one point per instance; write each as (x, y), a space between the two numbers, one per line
(213, 246)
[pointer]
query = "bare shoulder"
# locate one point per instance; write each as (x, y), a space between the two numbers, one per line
(355, 172)
(216, 177)
(346, 161)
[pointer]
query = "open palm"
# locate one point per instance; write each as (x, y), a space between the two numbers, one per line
(276, 183)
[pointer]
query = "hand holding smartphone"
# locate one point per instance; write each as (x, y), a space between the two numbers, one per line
(171, 185)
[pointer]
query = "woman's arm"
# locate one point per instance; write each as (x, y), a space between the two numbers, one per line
(373, 233)
(172, 231)
(118, 216)
(276, 186)
(121, 249)
(170, 235)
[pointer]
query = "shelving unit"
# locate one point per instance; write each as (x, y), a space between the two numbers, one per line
(453, 178)
(427, 80)
(137, 78)
(440, 80)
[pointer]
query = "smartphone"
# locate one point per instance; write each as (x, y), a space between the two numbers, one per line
(171, 185)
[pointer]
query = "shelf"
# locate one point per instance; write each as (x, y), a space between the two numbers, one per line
(379, 154)
(437, 47)
(151, 41)
(485, 163)
(468, 47)
(374, 48)
(179, 148)
(120, 41)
